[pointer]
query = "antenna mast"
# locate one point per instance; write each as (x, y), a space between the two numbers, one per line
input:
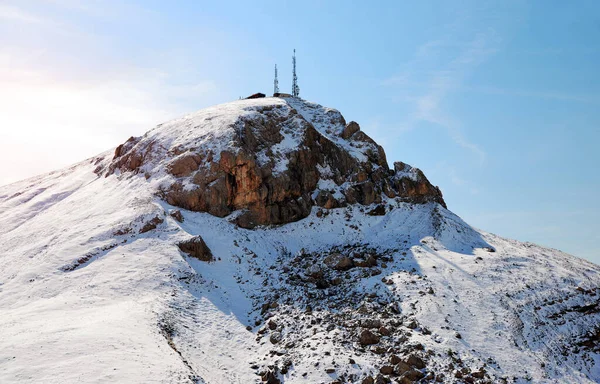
(295, 88)
(275, 82)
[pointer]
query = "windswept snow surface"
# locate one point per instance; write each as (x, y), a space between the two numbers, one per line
(86, 298)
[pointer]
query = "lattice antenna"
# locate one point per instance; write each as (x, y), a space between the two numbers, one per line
(295, 87)
(276, 82)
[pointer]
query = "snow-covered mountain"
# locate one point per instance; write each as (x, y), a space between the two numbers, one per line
(268, 241)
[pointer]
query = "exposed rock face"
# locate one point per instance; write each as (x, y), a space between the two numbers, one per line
(271, 159)
(350, 130)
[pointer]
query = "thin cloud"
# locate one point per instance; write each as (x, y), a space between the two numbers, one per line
(12, 13)
(550, 95)
(428, 95)
(457, 179)
(102, 9)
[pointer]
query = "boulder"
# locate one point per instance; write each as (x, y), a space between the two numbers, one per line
(412, 324)
(368, 338)
(386, 370)
(479, 374)
(326, 200)
(152, 224)
(415, 361)
(369, 261)
(176, 214)
(350, 130)
(379, 210)
(275, 337)
(270, 377)
(196, 247)
(338, 262)
(314, 271)
(401, 368)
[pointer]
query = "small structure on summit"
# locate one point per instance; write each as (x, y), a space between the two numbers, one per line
(257, 95)
(281, 94)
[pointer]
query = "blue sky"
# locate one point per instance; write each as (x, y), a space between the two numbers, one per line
(497, 102)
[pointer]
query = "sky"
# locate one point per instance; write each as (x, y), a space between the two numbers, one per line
(497, 102)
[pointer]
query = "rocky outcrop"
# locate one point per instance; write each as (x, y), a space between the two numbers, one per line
(350, 130)
(272, 162)
(177, 215)
(196, 247)
(152, 224)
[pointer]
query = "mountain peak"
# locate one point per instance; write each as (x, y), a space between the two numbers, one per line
(370, 287)
(271, 159)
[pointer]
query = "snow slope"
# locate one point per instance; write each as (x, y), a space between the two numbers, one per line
(89, 294)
